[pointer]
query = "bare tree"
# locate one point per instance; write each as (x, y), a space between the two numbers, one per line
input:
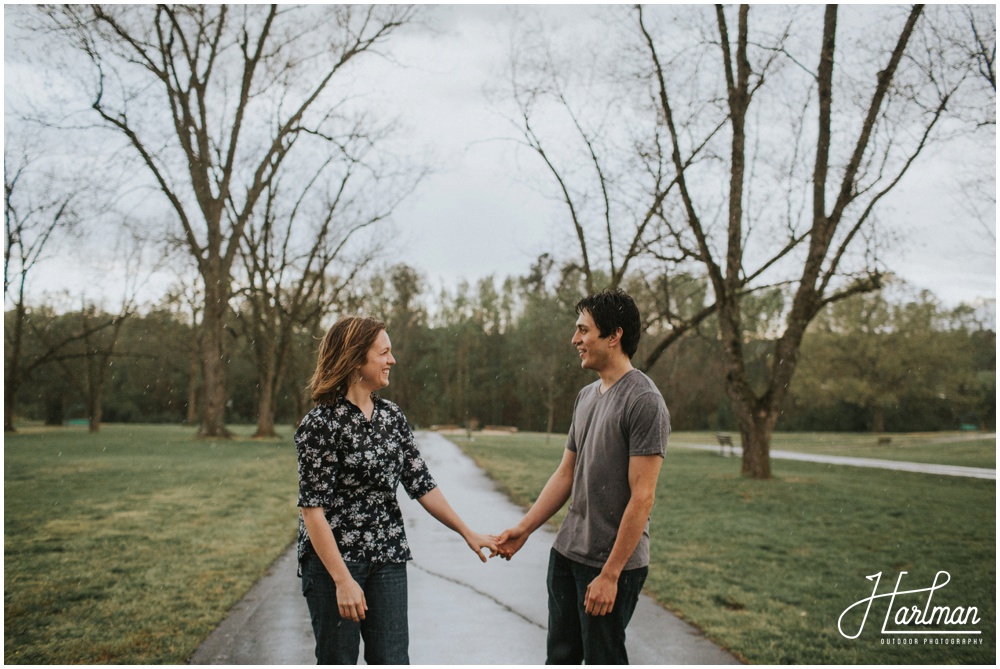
(98, 333)
(984, 51)
(609, 158)
(748, 157)
(847, 143)
(92, 342)
(540, 343)
(971, 29)
(38, 207)
(976, 36)
(214, 100)
(298, 257)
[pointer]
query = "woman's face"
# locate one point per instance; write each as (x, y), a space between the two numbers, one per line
(375, 371)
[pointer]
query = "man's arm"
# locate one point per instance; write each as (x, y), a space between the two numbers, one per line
(643, 471)
(555, 493)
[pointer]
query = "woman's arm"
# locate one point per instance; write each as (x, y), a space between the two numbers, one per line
(436, 505)
(350, 596)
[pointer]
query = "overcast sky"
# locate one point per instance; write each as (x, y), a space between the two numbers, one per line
(479, 214)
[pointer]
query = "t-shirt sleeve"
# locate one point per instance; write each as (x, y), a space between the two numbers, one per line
(416, 478)
(571, 437)
(648, 425)
(314, 443)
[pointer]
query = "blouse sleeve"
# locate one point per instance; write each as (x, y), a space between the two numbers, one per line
(314, 442)
(416, 478)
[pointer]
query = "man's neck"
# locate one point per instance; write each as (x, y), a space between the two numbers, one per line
(616, 368)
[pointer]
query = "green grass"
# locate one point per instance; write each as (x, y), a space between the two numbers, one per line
(944, 448)
(129, 546)
(765, 568)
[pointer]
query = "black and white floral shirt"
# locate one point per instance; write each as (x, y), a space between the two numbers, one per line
(351, 466)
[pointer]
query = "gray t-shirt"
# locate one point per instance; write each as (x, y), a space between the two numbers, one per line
(629, 419)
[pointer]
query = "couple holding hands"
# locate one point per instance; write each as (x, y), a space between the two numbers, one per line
(354, 448)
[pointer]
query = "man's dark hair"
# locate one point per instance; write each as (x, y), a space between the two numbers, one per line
(613, 309)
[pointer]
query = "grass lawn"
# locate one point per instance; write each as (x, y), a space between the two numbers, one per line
(765, 568)
(942, 448)
(129, 546)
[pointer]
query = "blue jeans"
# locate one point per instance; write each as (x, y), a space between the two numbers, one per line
(576, 637)
(385, 628)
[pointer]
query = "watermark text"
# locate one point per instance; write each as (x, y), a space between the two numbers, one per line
(930, 619)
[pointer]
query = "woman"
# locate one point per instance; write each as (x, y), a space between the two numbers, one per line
(354, 448)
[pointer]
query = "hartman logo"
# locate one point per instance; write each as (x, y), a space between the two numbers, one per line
(911, 619)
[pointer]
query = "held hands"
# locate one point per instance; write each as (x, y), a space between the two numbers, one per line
(477, 542)
(510, 542)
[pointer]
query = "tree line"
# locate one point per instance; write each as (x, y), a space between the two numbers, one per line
(497, 352)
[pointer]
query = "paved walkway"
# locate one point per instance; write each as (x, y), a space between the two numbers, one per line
(461, 611)
(919, 467)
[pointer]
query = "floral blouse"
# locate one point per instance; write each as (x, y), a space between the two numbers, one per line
(350, 467)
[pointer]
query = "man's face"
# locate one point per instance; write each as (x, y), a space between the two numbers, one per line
(594, 351)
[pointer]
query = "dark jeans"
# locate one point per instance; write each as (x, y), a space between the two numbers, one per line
(385, 628)
(576, 637)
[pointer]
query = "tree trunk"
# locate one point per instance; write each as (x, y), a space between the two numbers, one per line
(213, 419)
(10, 384)
(272, 353)
(551, 405)
(301, 403)
(94, 424)
(8, 407)
(213, 422)
(266, 402)
(12, 369)
(93, 365)
(878, 418)
(265, 414)
(192, 401)
(756, 427)
(10, 389)
(54, 411)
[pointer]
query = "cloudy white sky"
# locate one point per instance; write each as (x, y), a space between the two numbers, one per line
(482, 212)
(479, 216)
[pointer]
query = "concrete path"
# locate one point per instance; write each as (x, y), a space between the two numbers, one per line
(919, 467)
(461, 610)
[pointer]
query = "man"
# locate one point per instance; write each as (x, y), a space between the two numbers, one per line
(614, 450)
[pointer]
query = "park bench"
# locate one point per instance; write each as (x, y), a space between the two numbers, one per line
(500, 428)
(725, 443)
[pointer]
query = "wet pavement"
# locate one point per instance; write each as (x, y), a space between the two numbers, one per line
(461, 610)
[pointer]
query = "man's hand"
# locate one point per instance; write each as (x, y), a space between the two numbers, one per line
(510, 542)
(601, 594)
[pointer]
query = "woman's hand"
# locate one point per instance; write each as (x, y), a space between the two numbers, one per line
(351, 600)
(477, 542)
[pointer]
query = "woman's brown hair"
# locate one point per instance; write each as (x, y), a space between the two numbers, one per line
(343, 350)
